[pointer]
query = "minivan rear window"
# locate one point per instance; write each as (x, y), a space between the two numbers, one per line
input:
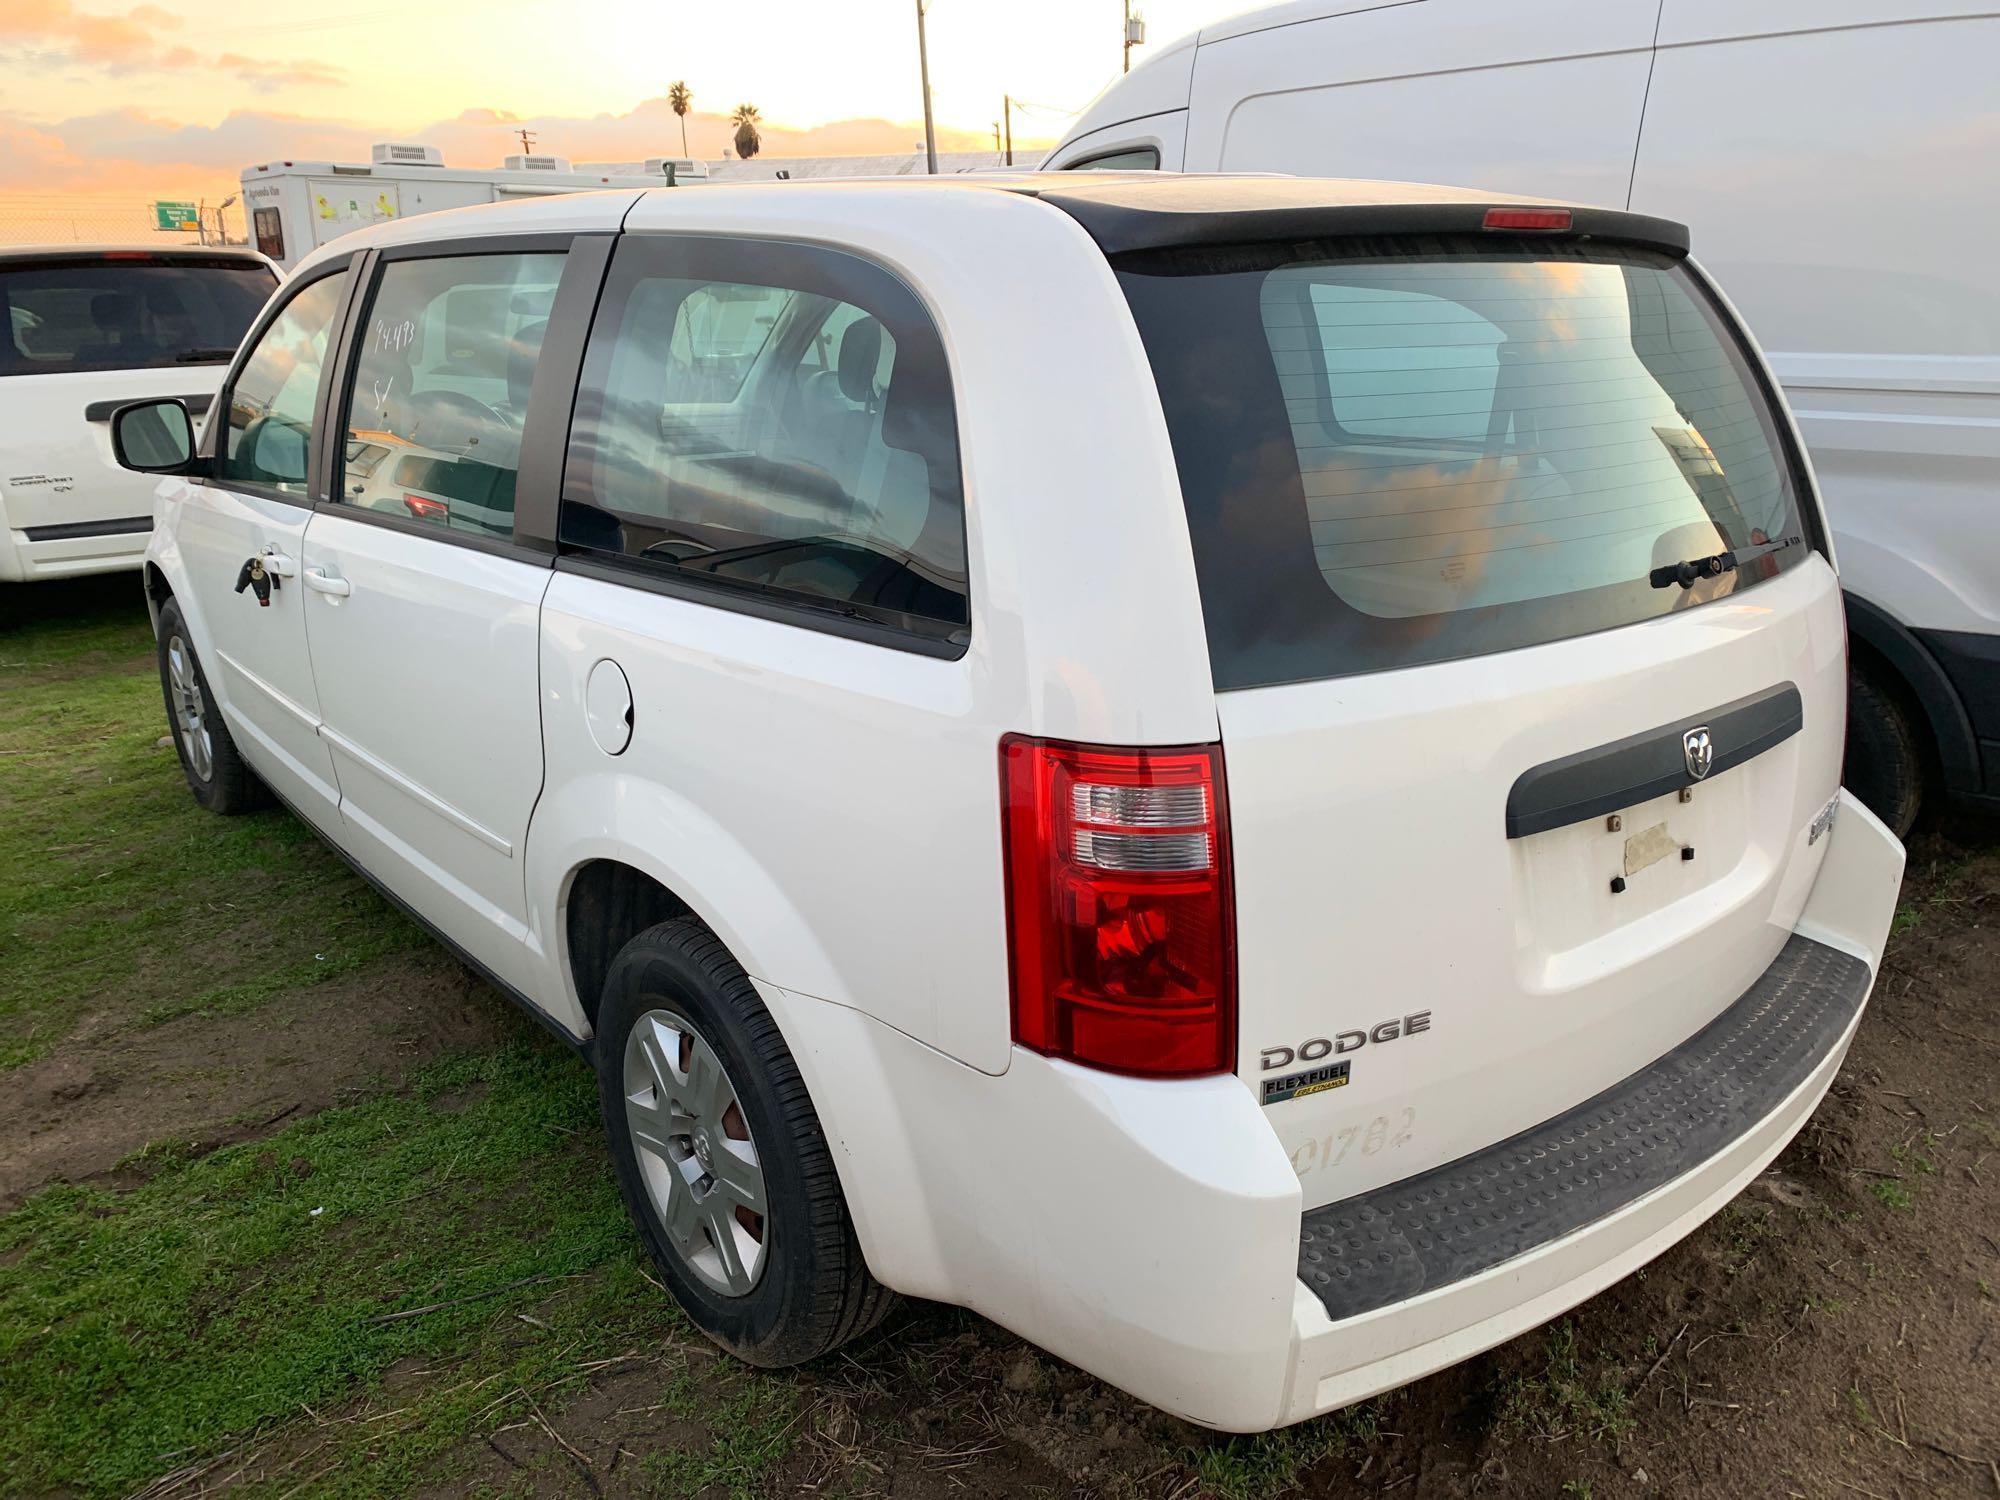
(132, 312)
(1401, 452)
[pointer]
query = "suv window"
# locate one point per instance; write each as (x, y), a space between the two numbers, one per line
(439, 390)
(1396, 453)
(133, 312)
(270, 404)
(771, 420)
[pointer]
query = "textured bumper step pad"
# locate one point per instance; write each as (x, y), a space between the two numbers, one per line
(1475, 1213)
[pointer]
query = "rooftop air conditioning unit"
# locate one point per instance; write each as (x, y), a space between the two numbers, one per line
(680, 168)
(535, 164)
(406, 154)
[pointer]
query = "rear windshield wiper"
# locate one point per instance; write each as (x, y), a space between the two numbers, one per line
(1687, 573)
(203, 356)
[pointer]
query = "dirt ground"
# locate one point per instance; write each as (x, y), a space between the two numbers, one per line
(1836, 1331)
(1833, 1332)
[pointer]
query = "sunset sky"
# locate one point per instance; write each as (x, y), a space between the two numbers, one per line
(103, 100)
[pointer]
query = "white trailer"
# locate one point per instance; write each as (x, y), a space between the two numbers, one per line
(294, 207)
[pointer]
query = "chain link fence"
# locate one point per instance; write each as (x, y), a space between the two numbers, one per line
(58, 219)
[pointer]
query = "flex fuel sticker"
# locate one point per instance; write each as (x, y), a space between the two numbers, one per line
(1312, 1081)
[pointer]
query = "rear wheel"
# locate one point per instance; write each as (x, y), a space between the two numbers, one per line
(720, 1155)
(1885, 763)
(215, 772)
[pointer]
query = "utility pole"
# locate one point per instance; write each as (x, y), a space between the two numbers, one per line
(924, 69)
(528, 136)
(996, 137)
(1007, 113)
(1135, 34)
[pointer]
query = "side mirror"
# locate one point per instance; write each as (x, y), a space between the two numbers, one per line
(153, 437)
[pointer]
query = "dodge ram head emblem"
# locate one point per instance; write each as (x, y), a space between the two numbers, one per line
(1699, 751)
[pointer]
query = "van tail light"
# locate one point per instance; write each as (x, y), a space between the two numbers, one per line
(1121, 926)
(423, 508)
(1538, 220)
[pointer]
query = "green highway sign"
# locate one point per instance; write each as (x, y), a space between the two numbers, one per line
(176, 216)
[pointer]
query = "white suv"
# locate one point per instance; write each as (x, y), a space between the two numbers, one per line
(1239, 774)
(87, 329)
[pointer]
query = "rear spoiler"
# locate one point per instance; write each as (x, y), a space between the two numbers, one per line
(1125, 221)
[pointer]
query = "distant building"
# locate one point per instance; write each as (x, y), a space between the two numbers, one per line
(899, 164)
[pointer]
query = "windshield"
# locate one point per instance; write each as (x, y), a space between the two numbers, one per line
(135, 312)
(1403, 452)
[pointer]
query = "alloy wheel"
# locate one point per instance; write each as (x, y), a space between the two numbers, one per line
(190, 714)
(695, 1152)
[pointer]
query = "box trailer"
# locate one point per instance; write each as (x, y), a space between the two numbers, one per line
(294, 207)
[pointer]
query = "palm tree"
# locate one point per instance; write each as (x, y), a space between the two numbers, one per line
(680, 98)
(746, 130)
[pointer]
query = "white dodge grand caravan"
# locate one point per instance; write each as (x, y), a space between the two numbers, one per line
(89, 328)
(1321, 858)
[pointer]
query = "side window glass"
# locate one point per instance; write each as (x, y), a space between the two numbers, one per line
(719, 330)
(1137, 159)
(442, 371)
(771, 419)
(270, 408)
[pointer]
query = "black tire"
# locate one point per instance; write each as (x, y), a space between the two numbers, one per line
(1885, 761)
(215, 771)
(813, 1292)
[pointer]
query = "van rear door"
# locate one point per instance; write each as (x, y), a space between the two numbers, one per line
(1518, 802)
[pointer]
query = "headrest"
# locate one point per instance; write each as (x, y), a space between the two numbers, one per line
(860, 353)
(522, 350)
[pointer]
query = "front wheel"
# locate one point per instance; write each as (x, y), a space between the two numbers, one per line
(720, 1156)
(215, 772)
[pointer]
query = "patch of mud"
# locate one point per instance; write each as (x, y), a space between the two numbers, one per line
(200, 1082)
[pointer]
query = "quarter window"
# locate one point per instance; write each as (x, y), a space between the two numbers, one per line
(1137, 159)
(776, 421)
(440, 387)
(270, 406)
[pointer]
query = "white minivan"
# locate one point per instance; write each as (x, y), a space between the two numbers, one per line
(1836, 162)
(1324, 856)
(89, 328)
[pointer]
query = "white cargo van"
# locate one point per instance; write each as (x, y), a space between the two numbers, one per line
(87, 329)
(1835, 160)
(294, 207)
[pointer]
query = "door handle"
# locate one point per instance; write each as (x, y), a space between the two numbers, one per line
(279, 565)
(322, 582)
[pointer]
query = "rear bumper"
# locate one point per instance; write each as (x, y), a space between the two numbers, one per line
(1151, 1232)
(1517, 1275)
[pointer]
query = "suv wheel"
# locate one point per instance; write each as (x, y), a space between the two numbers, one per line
(1885, 764)
(215, 773)
(720, 1156)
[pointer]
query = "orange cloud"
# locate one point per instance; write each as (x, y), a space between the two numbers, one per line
(136, 41)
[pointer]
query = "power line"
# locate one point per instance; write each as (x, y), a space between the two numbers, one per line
(1047, 109)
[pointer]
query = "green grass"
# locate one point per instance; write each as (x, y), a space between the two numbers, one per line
(122, 895)
(210, 1308)
(1893, 1195)
(1565, 1400)
(1270, 1463)
(229, 1313)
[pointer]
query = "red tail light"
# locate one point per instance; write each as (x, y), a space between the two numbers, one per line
(1545, 220)
(424, 508)
(1121, 929)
